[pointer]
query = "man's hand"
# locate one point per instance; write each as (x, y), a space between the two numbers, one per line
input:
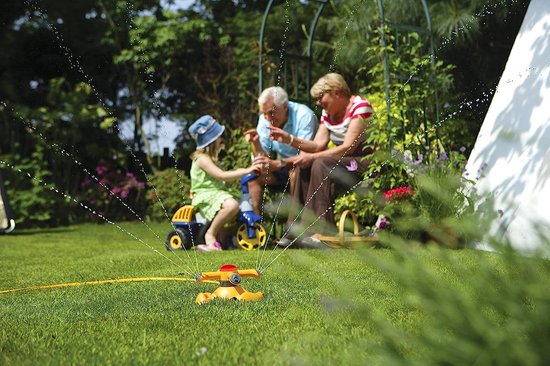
(278, 134)
(251, 136)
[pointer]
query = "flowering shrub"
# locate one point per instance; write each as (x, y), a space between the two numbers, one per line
(113, 193)
(395, 206)
(415, 197)
(393, 198)
(399, 194)
(435, 200)
(416, 193)
(383, 173)
(439, 183)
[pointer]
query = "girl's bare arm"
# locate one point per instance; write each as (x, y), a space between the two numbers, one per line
(206, 164)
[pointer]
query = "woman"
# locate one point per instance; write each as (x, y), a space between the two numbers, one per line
(319, 168)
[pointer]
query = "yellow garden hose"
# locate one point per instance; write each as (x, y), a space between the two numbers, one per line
(101, 282)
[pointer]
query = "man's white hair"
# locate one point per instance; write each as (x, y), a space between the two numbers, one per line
(279, 95)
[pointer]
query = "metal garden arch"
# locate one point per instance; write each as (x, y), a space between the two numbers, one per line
(305, 59)
(407, 29)
(294, 85)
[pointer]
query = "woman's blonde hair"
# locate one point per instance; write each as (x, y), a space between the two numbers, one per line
(330, 82)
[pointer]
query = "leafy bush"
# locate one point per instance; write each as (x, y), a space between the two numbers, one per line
(168, 190)
(475, 307)
(411, 125)
(417, 90)
(384, 172)
(439, 201)
(430, 176)
(67, 133)
(433, 212)
(490, 310)
(235, 155)
(33, 198)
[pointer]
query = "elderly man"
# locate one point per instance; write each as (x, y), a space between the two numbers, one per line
(296, 119)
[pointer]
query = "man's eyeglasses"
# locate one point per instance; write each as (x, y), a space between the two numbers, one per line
(270, 113)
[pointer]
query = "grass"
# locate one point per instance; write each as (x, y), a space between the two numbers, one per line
(320, 306)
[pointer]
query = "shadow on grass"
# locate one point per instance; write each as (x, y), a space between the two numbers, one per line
(30, 232)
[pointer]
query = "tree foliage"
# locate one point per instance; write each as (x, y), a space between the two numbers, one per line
(73, 72)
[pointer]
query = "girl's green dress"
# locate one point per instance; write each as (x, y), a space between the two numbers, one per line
(208, 193)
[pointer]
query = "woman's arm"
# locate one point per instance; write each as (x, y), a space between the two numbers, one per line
(206, 164)
(353, 136)
(351, 140)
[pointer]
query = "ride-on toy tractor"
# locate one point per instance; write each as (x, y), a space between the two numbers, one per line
(188, 232)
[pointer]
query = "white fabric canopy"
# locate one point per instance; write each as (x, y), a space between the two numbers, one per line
(511, 155)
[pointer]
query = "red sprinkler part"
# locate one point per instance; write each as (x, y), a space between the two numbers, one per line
(229, 289)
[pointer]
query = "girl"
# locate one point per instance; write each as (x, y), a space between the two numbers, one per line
(210, 196)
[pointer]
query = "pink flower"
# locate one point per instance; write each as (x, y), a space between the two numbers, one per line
(352, 166)
(382, 222)
(100, 169)
(399, 194)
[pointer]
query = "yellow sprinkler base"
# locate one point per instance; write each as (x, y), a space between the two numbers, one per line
(229, 289)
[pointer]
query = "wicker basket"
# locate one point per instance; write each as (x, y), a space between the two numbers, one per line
(343, 240)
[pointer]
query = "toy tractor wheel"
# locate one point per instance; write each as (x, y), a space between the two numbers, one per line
(251, 243)
(178, 239)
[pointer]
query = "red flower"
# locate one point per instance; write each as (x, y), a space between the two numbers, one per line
(399, 194)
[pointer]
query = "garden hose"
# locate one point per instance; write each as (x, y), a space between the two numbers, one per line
(101, 282)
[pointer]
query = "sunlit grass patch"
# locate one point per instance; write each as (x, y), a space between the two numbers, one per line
(349, 306)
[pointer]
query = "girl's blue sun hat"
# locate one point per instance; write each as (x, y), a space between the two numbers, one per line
(205, 131)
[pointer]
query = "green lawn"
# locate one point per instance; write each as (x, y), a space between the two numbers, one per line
(320, 306)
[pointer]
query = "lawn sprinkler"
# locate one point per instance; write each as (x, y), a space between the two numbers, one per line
(188, 231)
(229, 289)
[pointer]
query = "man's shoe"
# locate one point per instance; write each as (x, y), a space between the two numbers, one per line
(284, 242)
(311, 242)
